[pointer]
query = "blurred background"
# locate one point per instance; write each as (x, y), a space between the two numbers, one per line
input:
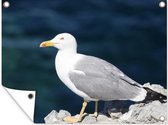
(131, 34)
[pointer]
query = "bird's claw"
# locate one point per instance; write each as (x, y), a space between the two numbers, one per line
(95, 114)
(71, 119)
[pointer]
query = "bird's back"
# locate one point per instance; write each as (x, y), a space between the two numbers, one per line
(104, 81)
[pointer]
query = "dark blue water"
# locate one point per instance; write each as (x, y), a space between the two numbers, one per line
(131, 34)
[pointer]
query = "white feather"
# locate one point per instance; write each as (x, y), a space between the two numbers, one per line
(65, 62)
(141, 96)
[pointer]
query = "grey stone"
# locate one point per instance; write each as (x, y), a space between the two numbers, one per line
(51, 118)
(103, 119)
(89, 119)
(62, 114)
(115, 115)
(157, 112)
(54, 117)
(148, 113)
(121, 112)
(117, 106)
(156, 87)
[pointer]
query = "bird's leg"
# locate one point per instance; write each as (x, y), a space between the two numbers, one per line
(96, 109)
(95, 114)
(72, 119)
(82, 110)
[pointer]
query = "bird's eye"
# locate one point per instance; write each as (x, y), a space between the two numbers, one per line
(62, 38)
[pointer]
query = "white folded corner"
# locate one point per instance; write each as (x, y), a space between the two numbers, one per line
(25, 100)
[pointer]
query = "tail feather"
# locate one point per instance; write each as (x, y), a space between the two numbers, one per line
(153, 95)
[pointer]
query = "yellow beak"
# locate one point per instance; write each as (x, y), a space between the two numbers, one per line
(47, 44)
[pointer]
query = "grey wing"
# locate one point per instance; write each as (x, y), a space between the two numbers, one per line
(101, 80)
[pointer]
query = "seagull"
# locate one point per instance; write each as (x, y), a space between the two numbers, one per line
(90, 77)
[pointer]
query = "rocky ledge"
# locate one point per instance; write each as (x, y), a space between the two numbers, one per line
(122, 112)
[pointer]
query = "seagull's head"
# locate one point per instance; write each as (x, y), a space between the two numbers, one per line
(63, 41)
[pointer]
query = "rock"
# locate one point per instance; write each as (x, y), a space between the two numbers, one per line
(158, 113)
(148, 113)
(55, 117)
(156, 87)
(103, 119)
(51, 118)
(153, 112)
(115, 115)
(117, 106)
(122, 112)
(62, 114)
(89, 119)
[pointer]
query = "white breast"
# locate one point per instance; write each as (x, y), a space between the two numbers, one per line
(64, 64)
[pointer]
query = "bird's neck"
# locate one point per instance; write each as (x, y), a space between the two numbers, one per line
(68, 51)
(64, 59)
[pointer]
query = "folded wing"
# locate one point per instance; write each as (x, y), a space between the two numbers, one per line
(102, 80)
